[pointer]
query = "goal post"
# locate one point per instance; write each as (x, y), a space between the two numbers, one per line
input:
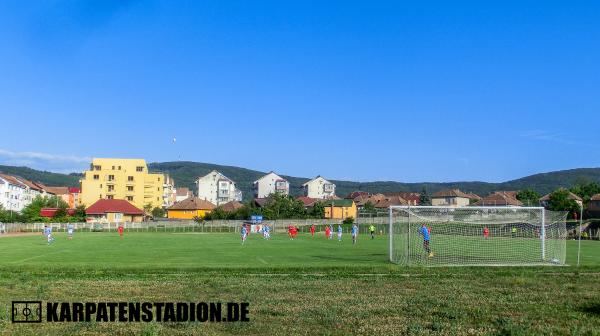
(476, 235)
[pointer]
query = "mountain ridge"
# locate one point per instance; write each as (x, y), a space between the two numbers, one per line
(185, 173)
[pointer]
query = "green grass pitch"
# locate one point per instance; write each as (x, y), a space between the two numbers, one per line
(305, 286)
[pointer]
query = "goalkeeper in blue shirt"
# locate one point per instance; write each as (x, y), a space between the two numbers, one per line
(424, 231)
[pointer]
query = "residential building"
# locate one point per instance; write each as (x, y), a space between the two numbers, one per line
(12, 193)
(593, 208)
(51, 212)
(340, 209)
(260, 202)
(113, 211)
(190, 208)
(411, 198)
(232, 206)
(307, 201)
(499, 198)
(68, 194)
(32, 190)
(182, 193)
(389, 201)
(217, 188)
(122, 179)
(361, 200)
(476, 198)
(319, 188)
(356, 194)
(270, 184)
(546, 198)
(452, 197)
(169, 192)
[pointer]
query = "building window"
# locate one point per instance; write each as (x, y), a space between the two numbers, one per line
(129, 188)
(113, 168)
(97, 168)
(109, 196)
(157, 188)
(130, 178)
(111, 188)
(111, 177)
(119, 167)
(96, 177)
(130, 198)
(139, 169)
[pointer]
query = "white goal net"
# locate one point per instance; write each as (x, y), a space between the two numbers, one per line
(447, 236)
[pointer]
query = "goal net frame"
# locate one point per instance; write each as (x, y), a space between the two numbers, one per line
(456, 234)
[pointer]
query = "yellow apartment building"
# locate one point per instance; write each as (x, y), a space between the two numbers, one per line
(125, 179)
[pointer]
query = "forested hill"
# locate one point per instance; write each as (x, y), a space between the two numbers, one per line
(47, 178)
(185, 173)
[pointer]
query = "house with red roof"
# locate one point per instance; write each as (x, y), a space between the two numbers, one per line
(114, 211)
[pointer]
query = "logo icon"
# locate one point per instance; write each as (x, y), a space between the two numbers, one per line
(27, 311)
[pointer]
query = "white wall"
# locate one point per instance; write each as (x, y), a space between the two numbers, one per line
(267, 184)
(209, 189)
(12, 197)
(315, 188)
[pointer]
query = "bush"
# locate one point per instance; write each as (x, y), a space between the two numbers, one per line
(349, 221)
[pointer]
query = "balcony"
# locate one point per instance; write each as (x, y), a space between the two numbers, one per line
(328, 188)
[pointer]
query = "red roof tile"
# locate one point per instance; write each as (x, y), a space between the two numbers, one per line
(307, 201)
(104, 206)
(193, 203)
(232, 206)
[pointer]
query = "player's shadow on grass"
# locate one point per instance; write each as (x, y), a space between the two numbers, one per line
(591, 308)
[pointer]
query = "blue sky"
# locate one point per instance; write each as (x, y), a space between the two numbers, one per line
(384, 90)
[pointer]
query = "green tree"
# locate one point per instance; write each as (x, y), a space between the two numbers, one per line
(148, 209)
(560, 201)
(348, 220)
(529, 197)
(31, 213)
(369, 207)
(216, 213)
(283, 207)
(424, 198)
(586, 190)
(80, 214)
(158, 212)
(4, 214)
(317, 210)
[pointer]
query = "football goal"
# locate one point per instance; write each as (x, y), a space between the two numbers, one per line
(474, 235)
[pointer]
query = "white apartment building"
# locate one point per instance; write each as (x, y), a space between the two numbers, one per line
(270, 184)
(319, 188)
(12, 193)
(217, 188)
(169, 191)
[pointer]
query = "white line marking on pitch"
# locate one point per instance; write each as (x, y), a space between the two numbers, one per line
(37, 256)
(262, 260)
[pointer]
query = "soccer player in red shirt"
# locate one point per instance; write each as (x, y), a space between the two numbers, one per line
(486, 232)
(312, 230)
(327, 232)
(294, 231)
(120, 230)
